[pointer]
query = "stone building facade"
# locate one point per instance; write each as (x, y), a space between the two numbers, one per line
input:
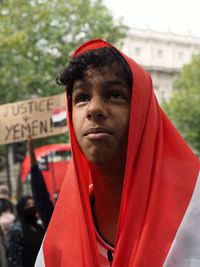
(162, 54)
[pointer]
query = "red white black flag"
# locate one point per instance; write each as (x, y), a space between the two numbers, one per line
(58, 118)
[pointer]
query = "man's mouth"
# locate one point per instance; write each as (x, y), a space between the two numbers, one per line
(97, 133)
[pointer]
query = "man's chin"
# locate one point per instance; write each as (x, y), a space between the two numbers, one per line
(99, 158)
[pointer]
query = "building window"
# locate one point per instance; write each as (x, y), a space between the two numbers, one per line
(180, 55)
(138, 51)
(160, 53)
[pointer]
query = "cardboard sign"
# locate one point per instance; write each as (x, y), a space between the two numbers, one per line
(38, 117)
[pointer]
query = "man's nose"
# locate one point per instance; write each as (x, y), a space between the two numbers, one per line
(96, 109)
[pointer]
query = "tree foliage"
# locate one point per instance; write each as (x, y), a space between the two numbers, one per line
(184, 106)
(37, 37)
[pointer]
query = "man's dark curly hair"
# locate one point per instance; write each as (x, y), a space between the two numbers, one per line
(96, 58)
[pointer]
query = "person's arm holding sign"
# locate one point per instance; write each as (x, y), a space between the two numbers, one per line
(41, 195)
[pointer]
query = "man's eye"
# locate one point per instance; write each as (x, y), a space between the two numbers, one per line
(115, 95)
(81, 98)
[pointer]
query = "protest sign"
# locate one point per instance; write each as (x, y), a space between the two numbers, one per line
(38, 117)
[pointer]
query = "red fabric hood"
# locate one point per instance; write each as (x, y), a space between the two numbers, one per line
(160, 176)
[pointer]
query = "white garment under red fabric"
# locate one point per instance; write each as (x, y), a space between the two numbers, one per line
(103, 250)
(160, 208)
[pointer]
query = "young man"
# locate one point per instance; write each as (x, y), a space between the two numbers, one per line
(131, 193)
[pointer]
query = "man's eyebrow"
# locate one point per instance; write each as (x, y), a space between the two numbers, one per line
(116, 82)
(85, 84)
(81, 84)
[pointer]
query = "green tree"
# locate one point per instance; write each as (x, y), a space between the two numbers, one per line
(37, 37)
(184, 106)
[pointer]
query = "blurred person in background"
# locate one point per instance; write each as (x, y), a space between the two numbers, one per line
(25, 235)
(7, 215)
(3, 259)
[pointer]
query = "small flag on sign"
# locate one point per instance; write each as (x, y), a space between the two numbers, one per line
(58, 118)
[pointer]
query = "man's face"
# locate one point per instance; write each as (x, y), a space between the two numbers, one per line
(100, 115)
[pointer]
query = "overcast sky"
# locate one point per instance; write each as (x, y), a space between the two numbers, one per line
(180, 16)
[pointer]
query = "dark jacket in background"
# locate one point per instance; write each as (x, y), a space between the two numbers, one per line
(24, 237)
(41, 196)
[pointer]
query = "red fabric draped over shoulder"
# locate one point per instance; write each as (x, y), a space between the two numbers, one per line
(160, 176)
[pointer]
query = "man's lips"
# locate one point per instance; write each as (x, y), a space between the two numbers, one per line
(96, 130)
(97, 133)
